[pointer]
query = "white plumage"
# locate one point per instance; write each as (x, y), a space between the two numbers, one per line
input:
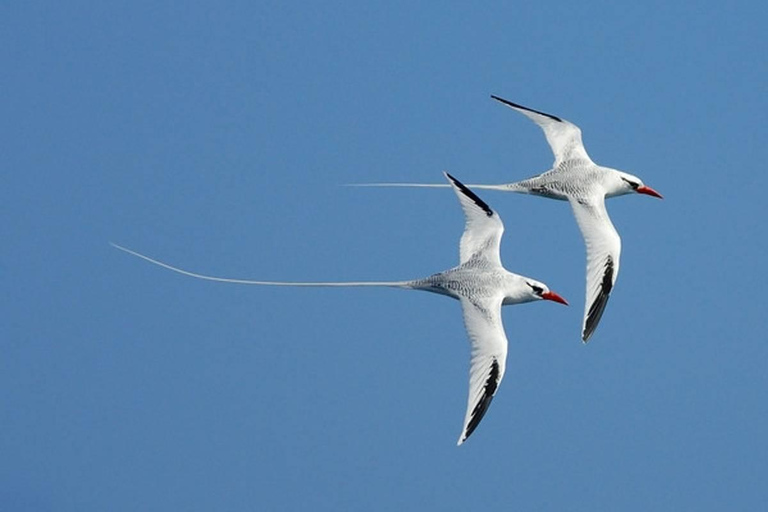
(575, 178)
(479, 282)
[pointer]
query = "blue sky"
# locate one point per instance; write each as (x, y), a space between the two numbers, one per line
(216, 137)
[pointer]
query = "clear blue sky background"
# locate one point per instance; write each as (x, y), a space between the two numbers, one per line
(216, 137)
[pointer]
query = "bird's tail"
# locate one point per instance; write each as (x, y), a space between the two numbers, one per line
(405, 185)
(505, 187)
(391, 284)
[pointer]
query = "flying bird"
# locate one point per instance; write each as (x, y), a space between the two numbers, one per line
(479, 282)
(575, 178)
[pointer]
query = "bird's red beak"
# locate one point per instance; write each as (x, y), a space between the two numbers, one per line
(554, 297)
(648, 191)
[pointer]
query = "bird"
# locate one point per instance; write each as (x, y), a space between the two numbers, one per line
(575, 178)
(480, 283)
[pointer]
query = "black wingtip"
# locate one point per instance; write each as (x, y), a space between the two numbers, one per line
(474, 197)
(515, 105)
(598, 306)
(485, 401)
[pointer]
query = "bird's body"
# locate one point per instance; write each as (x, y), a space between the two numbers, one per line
(479, 282)
(575, 178)
(473, 281)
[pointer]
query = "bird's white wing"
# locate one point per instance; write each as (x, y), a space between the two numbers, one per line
(483, 229)
(482, 319)
(603, 251)
(563, 136)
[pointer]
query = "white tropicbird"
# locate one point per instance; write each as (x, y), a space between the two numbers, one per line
(480, 283)
(575, 178)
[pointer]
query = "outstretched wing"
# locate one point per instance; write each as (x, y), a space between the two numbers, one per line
(488, 360)
(603, 251)
(563, 136)
(483, 229)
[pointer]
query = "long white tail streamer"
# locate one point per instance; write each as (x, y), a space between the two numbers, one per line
(423, 185)
(393, 284)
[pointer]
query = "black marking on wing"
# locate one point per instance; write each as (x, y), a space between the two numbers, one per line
(507, 102)
(485, 401)
(464, 190)
(597, 307)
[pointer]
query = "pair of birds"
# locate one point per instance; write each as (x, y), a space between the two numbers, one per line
(482, 284)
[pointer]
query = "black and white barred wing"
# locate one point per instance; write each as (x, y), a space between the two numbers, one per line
(483, 229)
(603, 251)
(482, 319)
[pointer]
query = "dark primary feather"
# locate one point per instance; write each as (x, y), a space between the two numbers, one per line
(507, 102)
(598, 306)
(464, 190)
(485, 401)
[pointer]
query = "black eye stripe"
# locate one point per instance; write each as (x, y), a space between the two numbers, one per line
(538, 290)
(631, 183)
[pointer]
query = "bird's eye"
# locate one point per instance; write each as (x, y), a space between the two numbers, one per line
(631, 183)
(538, 290)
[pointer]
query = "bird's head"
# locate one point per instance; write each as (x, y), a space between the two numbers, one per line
(535, 290)
(629, 184)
